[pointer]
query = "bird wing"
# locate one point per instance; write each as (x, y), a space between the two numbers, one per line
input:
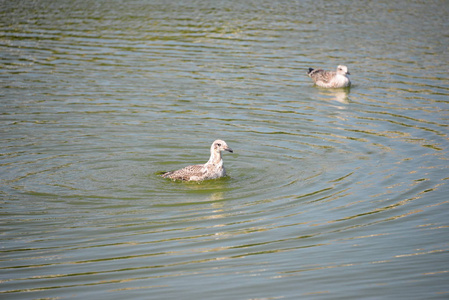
(322, 75)
(185, 173)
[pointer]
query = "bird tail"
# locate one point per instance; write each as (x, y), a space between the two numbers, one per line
(166, 174)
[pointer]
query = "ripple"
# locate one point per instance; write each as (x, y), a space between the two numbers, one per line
(98, 99)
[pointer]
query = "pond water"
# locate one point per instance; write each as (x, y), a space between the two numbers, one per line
(331, 194)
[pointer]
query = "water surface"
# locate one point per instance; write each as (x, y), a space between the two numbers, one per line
(331, 194)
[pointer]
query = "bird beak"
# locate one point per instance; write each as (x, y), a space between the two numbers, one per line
(229, 150)
(348, 73)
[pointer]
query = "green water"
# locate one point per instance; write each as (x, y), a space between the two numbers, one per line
(331, 194)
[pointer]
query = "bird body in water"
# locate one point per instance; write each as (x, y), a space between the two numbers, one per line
(213, 169)
(329, 79)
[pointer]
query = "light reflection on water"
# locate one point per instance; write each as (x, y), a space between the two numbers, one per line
(331, 194)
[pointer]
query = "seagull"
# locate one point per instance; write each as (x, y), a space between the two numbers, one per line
(214, 168)
(328, 79)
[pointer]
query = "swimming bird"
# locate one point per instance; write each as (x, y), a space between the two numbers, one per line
(328, 79)
(214, 167)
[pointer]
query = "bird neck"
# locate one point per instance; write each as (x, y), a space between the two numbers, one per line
(215, 158)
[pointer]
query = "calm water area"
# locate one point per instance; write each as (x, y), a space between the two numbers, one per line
(331, 194)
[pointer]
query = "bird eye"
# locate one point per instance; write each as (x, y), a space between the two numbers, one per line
(219, 145)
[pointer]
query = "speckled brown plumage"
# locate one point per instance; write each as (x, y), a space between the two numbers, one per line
(214, 167)
(329, 79)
